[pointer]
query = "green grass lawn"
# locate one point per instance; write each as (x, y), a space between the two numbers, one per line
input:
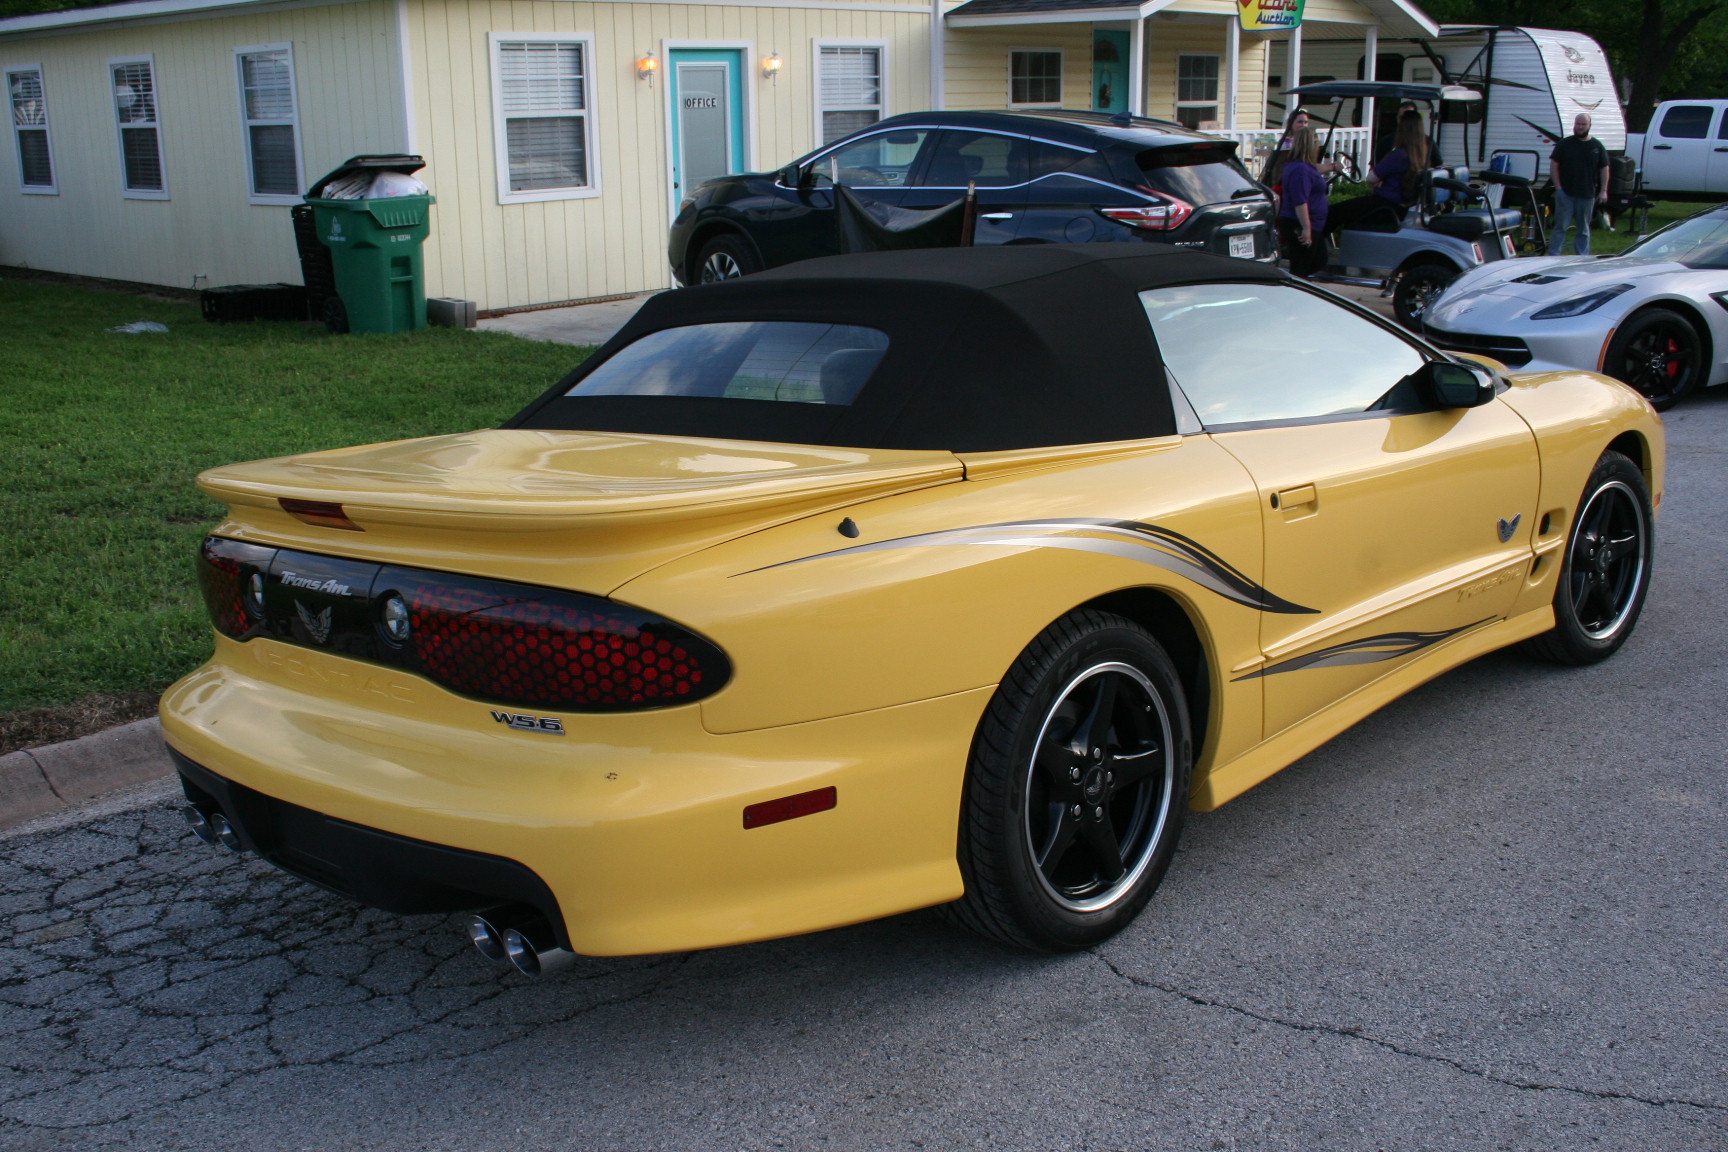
(1662, 214)
(103, 433)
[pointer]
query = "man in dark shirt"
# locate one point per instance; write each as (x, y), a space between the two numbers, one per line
(1579, 169)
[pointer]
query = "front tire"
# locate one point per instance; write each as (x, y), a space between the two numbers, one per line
(1077, 787)
(1659, 353)
(1605, 574)
(725, 258)
(1418, 287)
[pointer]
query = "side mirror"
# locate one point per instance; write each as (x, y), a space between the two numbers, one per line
(1446, 384)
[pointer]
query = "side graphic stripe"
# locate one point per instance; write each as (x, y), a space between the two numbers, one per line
(1128, 539)
(1367, 650)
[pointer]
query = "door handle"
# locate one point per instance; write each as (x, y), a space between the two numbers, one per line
(1722, 149)
(1010, 215)
(1663, 147)
(1297, 501)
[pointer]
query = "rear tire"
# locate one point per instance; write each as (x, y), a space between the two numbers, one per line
(725, 258)
(1658, 353)
(1418, 287)
(1077, 787)
(1605, 572)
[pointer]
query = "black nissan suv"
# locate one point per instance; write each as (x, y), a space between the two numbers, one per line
(1041, 177)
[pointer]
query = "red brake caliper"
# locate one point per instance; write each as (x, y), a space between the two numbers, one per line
(1672, 367)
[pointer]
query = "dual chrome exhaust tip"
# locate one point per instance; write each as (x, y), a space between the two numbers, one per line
(520, 936)
(212, 827)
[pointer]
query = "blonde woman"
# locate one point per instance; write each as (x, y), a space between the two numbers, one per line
(1302, 207)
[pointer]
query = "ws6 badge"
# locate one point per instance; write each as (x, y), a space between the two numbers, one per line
(549, 725)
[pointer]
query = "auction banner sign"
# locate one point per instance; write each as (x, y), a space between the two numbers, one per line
(1269, 15)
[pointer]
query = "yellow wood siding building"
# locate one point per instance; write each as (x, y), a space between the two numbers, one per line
(494, 93)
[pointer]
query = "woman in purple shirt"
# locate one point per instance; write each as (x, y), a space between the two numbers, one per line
(1395, 180)
(1302, 207)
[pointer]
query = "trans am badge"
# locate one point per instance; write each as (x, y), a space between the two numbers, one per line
(317, 623)
(1507, 527)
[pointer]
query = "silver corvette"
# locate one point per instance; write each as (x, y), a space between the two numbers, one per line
(1655, 316)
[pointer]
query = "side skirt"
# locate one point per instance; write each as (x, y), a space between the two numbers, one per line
(1229, 781)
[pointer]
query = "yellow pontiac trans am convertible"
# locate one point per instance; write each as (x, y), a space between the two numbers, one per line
(886, 581)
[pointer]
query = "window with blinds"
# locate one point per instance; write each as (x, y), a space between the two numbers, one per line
(545, 137)
(1035, 77)
(1197, 90)
(270, 118)
(30, 129)
(849, 88)
(141, 173)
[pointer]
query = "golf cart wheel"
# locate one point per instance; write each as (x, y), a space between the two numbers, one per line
(1418, 287)
(1659, 353)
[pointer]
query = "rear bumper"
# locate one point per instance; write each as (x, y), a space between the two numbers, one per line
(632, 823)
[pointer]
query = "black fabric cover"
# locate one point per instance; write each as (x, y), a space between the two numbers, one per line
(868, 226)
(990, 349)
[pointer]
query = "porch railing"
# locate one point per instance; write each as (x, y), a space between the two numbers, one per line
(1255, 144)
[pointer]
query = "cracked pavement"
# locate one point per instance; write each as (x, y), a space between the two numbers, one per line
(1489, 917)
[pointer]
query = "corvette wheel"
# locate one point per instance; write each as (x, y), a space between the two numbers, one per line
(1658, 353)
(1417, 288)
(1076, 789)
(1606, 570)
(724, 258)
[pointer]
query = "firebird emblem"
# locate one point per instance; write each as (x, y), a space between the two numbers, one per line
(317, 623)
(1507, 527)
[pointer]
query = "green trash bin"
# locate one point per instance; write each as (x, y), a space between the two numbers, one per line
(375, 250)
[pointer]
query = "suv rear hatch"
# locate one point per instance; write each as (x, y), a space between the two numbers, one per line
(1230, 212)
(576, 510)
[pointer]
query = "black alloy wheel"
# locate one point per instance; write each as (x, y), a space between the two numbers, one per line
(1657, 352)
(724, 258)
(1418, 287)
(1077, 787)
(1605, 573)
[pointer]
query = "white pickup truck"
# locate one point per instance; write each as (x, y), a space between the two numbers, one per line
(1684, 155)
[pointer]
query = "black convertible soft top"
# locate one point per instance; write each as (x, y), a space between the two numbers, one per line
(989, 349)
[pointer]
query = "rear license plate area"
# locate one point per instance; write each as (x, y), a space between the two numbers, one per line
(1242, 247)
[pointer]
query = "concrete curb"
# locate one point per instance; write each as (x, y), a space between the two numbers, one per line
(37, 781)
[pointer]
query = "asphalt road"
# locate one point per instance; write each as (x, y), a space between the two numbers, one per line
(1489, 917)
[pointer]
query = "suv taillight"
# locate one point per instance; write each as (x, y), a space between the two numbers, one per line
(514, 644)
(1162, 216)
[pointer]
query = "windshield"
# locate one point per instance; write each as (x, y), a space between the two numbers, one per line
(1698, 242)
(802, 363)
(1199, 174)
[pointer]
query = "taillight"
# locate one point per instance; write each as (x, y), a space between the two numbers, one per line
(1162, 216)
(513, 644)
(541, 648)
(232, 577)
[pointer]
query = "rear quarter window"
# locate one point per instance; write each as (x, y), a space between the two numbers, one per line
(1199, 174)
(794, 362)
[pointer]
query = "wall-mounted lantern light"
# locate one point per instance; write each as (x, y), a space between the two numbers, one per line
(771, 67)
(646, 67)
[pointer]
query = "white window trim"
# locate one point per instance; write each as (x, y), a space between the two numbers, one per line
(120, 140)
(253, 197)
(501, 136)
(818, 107)
(1216, 102)
(1061, 74)
(52, 188)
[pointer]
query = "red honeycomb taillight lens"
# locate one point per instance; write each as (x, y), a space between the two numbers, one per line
(231, 575)
(545, 649)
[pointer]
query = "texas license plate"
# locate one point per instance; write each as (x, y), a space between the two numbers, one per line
(1242, 247)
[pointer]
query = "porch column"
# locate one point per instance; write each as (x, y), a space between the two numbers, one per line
(1292, 69)
(1137, 68)
(938, 56)
(1232, 61)
(1370, 71)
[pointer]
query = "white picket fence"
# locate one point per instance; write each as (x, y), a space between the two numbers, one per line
(1255, 144)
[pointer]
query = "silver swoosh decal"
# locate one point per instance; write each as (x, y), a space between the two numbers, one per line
(1127, 539)
(1367, 650)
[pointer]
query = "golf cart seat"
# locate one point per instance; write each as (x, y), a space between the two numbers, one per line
(1471, 223)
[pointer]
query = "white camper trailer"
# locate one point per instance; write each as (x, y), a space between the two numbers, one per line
(1534, 82)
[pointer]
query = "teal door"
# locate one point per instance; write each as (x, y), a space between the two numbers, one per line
(707, 93)
(1109, 70)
